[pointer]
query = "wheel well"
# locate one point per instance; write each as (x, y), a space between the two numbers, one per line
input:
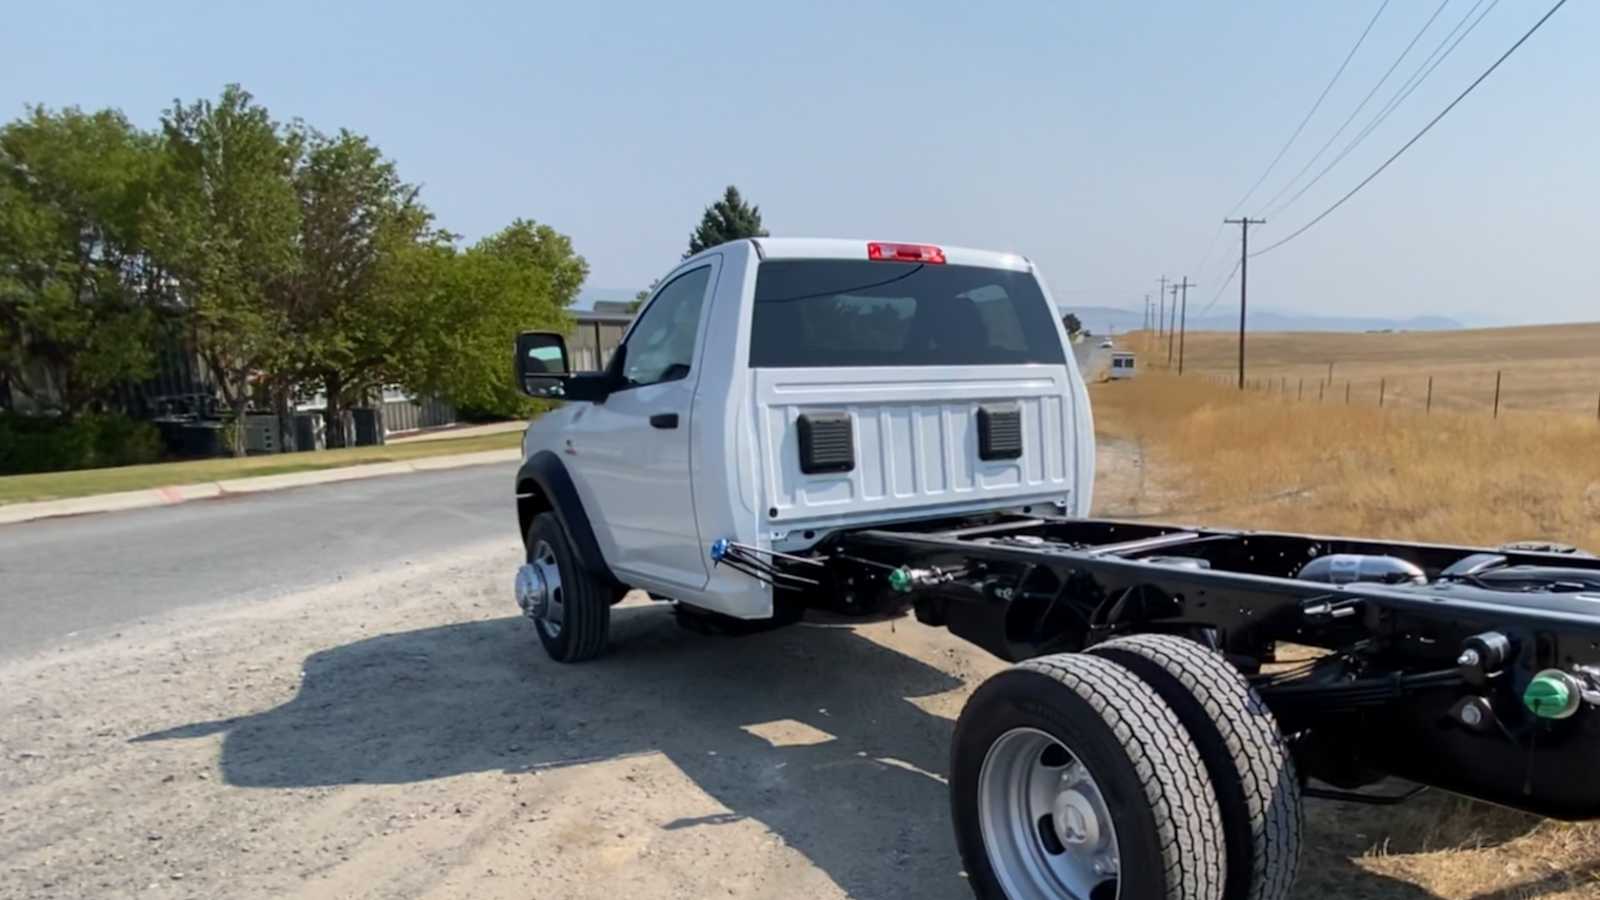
(531, 501)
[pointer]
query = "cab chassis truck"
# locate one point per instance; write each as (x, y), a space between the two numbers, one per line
(1177, 691)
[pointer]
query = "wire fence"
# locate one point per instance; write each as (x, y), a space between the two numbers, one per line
(1556, 381)
(1490, 393)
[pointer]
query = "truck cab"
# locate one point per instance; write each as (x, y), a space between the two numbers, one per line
(773, 391)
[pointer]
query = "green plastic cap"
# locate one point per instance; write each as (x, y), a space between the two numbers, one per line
(900, 580)
(1549, 696)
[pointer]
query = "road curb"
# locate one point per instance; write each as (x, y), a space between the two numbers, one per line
(182, 493)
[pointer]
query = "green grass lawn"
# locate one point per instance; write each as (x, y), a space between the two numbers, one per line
(85, 482)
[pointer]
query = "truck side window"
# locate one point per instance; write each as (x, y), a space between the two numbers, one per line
(661, 346)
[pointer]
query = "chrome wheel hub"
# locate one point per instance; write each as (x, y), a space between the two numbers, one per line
(538, 587)
(1045, 824)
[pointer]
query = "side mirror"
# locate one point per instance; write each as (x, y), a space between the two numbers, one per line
(542, 367)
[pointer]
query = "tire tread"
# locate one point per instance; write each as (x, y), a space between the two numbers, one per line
(1168, 764)
(1248, 761)
(587, 624)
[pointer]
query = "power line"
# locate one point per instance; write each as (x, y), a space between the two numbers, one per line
(1220, 288)
(1314, 107)
(1271, 210)
(1212, 245)
(1418, 136)
(1424, 69)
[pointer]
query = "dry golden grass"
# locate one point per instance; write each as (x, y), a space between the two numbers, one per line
(1268, 462)
(1546, 368)
(1217, 456)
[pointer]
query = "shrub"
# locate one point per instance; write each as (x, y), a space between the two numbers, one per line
(500, 410)
(47, 444)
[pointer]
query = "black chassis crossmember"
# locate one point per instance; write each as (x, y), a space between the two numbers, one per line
(1411, 660)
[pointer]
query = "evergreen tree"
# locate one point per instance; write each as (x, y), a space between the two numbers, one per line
(728, 219)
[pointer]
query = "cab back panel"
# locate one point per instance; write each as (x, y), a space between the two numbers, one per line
(916, 438)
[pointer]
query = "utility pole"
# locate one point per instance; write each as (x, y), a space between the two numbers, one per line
(1146, 312)
(1244, 276)
(1161, 315)
(1172, 324)
(1183, 319)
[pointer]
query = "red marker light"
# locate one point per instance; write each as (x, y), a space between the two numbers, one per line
(922, 253)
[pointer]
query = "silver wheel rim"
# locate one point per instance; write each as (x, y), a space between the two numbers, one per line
(1045, 823)
(554, 614)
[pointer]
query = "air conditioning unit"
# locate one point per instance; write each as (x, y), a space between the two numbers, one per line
(261, 434)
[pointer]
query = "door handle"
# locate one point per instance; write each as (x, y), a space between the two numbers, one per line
(664, 420)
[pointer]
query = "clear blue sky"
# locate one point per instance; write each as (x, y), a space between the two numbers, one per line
(1104, 140)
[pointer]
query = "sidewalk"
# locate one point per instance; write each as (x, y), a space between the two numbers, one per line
(181, 493)
(457, 431)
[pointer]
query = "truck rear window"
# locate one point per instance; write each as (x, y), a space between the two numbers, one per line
(819, 313)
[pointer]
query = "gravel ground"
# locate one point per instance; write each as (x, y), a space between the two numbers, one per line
(400, 735)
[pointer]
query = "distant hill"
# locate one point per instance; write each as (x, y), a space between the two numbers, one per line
(1107, 319)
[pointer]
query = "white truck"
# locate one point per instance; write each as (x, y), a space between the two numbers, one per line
(877, 426)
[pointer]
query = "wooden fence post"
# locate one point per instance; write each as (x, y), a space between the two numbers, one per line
(1382, 385)
(1429, 408)
(1497, 374)
(1347, 392)
(1300, 392)
(1321, 390)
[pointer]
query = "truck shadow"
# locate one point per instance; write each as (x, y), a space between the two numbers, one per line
(812, 731)
(809, 731)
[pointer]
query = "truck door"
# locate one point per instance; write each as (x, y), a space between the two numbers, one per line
(631, 452)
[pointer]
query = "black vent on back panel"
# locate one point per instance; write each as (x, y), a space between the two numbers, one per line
(827, 443)
(999, 432)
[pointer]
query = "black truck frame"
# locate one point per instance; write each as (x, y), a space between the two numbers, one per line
(1472, 670)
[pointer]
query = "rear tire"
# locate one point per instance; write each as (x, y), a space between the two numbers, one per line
(584, 599)
(1250, 766)
(1148, 800)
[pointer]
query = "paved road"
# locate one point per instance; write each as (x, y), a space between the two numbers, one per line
(65, 579)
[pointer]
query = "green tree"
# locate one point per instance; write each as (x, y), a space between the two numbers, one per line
(351, 304)
(1073, 325)
(79, 294)
(728, 219)
(522, 277)
(226, 224)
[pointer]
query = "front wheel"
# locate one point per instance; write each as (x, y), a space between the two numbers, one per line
(569, 606)
(1072, 778)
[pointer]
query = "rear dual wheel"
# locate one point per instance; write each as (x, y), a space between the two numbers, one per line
(1146, 768)
(1071, 778)
(1251, 770)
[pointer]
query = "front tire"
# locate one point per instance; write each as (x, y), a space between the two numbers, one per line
(576, 619)
(1070, 777)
